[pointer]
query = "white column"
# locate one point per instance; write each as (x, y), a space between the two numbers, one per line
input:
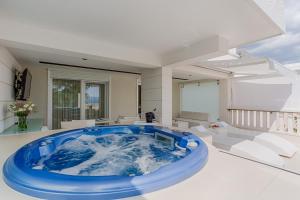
(166, 115)
(224, 99)
(157, 93)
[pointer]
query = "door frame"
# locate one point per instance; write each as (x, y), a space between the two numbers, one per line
(82, 97)
(49, 102)
(50, 96)
(60, 72)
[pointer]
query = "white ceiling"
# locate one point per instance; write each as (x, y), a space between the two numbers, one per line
(242, 64)
(30, 57)
(130, 34)
(239, 66)
(188, 76)
(156, 26)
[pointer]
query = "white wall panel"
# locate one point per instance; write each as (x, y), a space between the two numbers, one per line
(7, 68)
(6, 75)
(6, 92)
(203, 97)
(271, 94)
(4, 112)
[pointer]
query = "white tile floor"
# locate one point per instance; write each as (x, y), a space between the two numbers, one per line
(224, 178)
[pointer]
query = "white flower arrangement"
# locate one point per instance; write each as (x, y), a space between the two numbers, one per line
(21, 108)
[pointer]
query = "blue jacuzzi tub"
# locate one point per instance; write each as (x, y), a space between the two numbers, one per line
(108, 162)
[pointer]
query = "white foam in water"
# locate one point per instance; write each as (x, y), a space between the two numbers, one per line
(116, 156)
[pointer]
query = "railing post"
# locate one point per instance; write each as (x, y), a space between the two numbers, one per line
(253, 119)
(264, 120)
(268, 120)
(289, 123)
(273, 121)
(232, 117)
(237, 117)
(246, 118)
(242, 122)
(298, 123)
(281, 122)
(259, 120)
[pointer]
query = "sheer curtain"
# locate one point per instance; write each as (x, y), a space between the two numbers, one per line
(65, 101)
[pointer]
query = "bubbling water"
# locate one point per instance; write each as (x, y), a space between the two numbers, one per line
(110, 154)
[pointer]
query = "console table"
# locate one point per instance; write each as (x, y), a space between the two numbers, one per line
(33, 126)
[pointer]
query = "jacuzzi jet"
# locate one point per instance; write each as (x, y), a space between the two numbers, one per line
(46, 147)
(192, 144)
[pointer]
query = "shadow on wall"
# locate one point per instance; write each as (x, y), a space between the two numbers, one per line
(258, 96)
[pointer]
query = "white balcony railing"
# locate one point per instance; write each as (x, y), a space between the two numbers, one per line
(272, 121)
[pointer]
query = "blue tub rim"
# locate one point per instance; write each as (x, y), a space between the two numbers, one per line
(22, 179)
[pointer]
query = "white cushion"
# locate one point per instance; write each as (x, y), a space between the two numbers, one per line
(277, 144)
(224, 142)
(258, 152)
(199, 128)
(70, 125)
(85, 123)
(183, 124)
(223, 124)
(202, 132)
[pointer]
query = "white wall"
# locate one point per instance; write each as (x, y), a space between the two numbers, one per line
(8, 64)
(176, 99)
(201, 97)
(157, 93)
(271, 94)
(123, 88)
(39, 91)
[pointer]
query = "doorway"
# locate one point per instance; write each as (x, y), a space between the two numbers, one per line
(77, 99)
(94, 100)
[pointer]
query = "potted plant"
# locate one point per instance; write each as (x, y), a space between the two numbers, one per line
(22, 110)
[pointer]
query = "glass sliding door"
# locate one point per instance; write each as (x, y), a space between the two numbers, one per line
(95, 100)
(65, 101)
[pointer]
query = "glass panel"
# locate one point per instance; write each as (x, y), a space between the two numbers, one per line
(65, 101)
(201, 97)
(94, 100)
